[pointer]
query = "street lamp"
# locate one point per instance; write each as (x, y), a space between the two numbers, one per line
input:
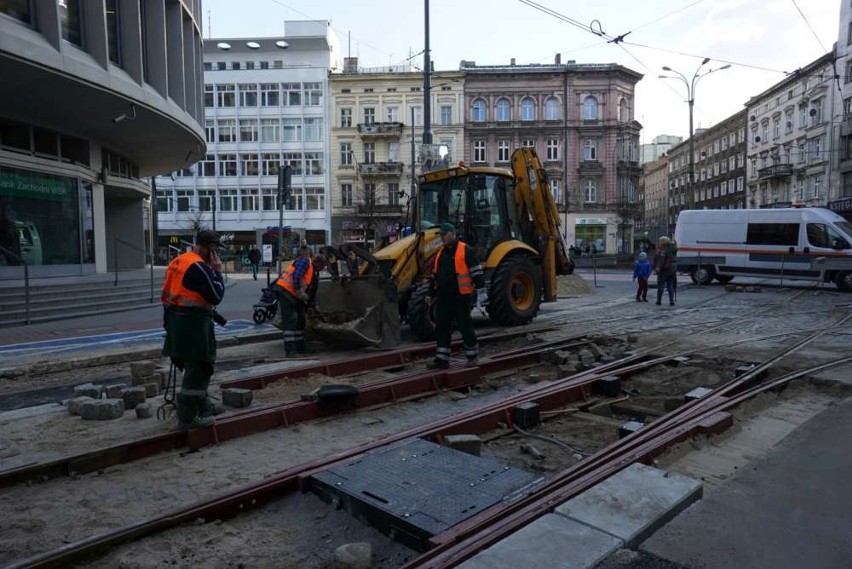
(690, 92)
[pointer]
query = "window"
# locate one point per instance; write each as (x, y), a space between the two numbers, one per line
(292, 130)
(369, 115)
(788, 121)
(270, 163)
(772, 234)
(370, 194)
(225, 94)
(764, 137)
(210, 130)
(346, 195)
(206, 199)
(590, 192)
(249, 199)
(393, 114)
(552, 149)
(345, 118)
(552, 111)
(248, 130)
(297, 201)
(313, 94)
(249, 65)
(207, 166)
(479, 151)
(477, 110)
(227, 164)
(291, 94)
(369, 153)
(294, 160)
(393, 152)
(816, 149)
(270, 130)
(590, 109)
(248, 164)
(112, 27)
(313, 163)
(527, 109)
(270, 199)
(314, 198)
(590, 150)
(313, 129)
(724, 189)
(824, 236)
(69, 21)
(18, 9)
(248, 95)
(502, 151)
(740, 185)
(817, 185)
(528, 143)
(446, 115)
(418, 116)
(803, 115)
(503, 110)
(393, 193)
(346, 154)
(221, 66)
(269, 94)
(228, 200)
(776, 127)
(227, 130)
(816, 112)
(554, 191)
(184, 197)
(623, 111)
(208, 95)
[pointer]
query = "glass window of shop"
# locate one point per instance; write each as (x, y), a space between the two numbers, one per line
(590, 238)
(45, 219)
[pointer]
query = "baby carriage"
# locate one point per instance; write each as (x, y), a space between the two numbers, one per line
(267, 307)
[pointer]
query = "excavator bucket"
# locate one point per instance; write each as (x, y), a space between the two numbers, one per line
(361, 311)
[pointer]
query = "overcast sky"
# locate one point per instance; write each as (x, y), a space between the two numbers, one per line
(765, 33)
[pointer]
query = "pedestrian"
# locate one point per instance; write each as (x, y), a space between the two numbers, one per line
(642, 272)
(294, 288)
(193, 287)
(456, 275)
(666, 269)
(254, 257)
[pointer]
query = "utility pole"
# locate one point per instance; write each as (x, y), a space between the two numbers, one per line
(155, 220)
(427, 84)
(284, 179)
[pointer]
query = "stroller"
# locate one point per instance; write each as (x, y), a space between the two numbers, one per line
(267, 307)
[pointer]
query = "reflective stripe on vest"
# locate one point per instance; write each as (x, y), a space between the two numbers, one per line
(174, 293)
(286, 282)
(462, 272)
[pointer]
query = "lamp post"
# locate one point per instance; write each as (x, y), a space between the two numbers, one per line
(690, 93)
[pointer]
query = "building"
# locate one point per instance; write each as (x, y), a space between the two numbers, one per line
(265, 105)
(654, 195)
(658, 147)
(378, 114)
(93, 99)
(579, 118)
(790, 142)
(719, 162)
(840, 197)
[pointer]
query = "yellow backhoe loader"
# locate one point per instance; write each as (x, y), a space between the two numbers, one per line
(510, 219)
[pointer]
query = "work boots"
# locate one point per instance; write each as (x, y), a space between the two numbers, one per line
(472, 362)
(438, 364)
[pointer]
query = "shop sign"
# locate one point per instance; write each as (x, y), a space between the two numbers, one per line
(591, 221)
(35, 187)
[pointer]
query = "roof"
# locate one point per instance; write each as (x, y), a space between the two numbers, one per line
(793, 77)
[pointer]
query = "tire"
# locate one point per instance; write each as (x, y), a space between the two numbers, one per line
(703, 275)
(270, 312)
(725, 279)
(259, 316)
(421, 314)
(843, 280)
(515, 293)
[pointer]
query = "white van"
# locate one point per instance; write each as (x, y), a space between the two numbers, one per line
(789, 243)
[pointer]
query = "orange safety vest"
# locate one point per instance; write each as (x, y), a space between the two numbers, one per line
(285, 281)
(174, 293)
(462, 271)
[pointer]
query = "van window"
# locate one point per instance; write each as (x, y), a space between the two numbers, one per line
(845, 227)
(773, 234)
(24, 236)
(825, 236)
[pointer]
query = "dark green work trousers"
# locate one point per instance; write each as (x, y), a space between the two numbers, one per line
(449, 308)
(292, 322)
(192, 400)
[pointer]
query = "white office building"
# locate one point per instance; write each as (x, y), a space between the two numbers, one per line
(265, 105)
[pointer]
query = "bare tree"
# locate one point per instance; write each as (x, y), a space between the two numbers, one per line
(197, 221)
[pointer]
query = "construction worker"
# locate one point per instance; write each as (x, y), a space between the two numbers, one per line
(456, 275)
(294, 288)
(193, 287)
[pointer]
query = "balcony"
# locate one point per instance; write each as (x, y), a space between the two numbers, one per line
(379, 209)
(775, 171)
(380, 169)
(381, 129)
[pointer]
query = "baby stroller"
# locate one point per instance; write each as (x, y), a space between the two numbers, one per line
(267, 307)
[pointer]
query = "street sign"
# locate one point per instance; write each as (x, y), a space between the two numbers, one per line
(267, 253)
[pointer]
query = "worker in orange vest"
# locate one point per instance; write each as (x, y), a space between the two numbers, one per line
(456, 276)
(295, 288)
(193, 287)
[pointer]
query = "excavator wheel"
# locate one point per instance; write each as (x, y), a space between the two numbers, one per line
(421, 314)
(515, 292)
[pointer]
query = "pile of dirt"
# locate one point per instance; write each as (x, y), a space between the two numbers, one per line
(572, 285)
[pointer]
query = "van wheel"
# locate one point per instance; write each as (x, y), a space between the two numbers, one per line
(703, 275)
(844, 281)
(724, 280)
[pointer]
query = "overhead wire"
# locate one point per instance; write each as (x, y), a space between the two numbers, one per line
(810, 27)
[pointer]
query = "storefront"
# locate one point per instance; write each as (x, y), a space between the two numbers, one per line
(842, 207)
(590, 235)
(46, 221)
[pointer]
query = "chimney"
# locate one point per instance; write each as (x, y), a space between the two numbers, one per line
(558, 60)
(512, 61)
(350, 65)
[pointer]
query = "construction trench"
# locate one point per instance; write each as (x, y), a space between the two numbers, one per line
(553, 409)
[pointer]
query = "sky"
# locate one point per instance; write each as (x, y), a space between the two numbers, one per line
(762, 39)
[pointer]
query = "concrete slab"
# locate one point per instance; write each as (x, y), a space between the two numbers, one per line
(550, 542)
(634, 503)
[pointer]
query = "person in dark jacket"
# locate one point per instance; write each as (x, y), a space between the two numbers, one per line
(193, 287)
(456, 276)
(254, 258)
(665, 266)
(642, 272)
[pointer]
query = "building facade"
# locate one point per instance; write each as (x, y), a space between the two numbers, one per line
(377, 127)
(840, 199)
(265, 106)
(94, 96)
(654, 196)
(580, 120)
(659, 146)
(790, 139)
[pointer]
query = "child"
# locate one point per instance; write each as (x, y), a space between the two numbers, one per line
(642, 271)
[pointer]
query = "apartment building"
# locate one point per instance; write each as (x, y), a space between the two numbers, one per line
(840, 193)
(654, 196)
